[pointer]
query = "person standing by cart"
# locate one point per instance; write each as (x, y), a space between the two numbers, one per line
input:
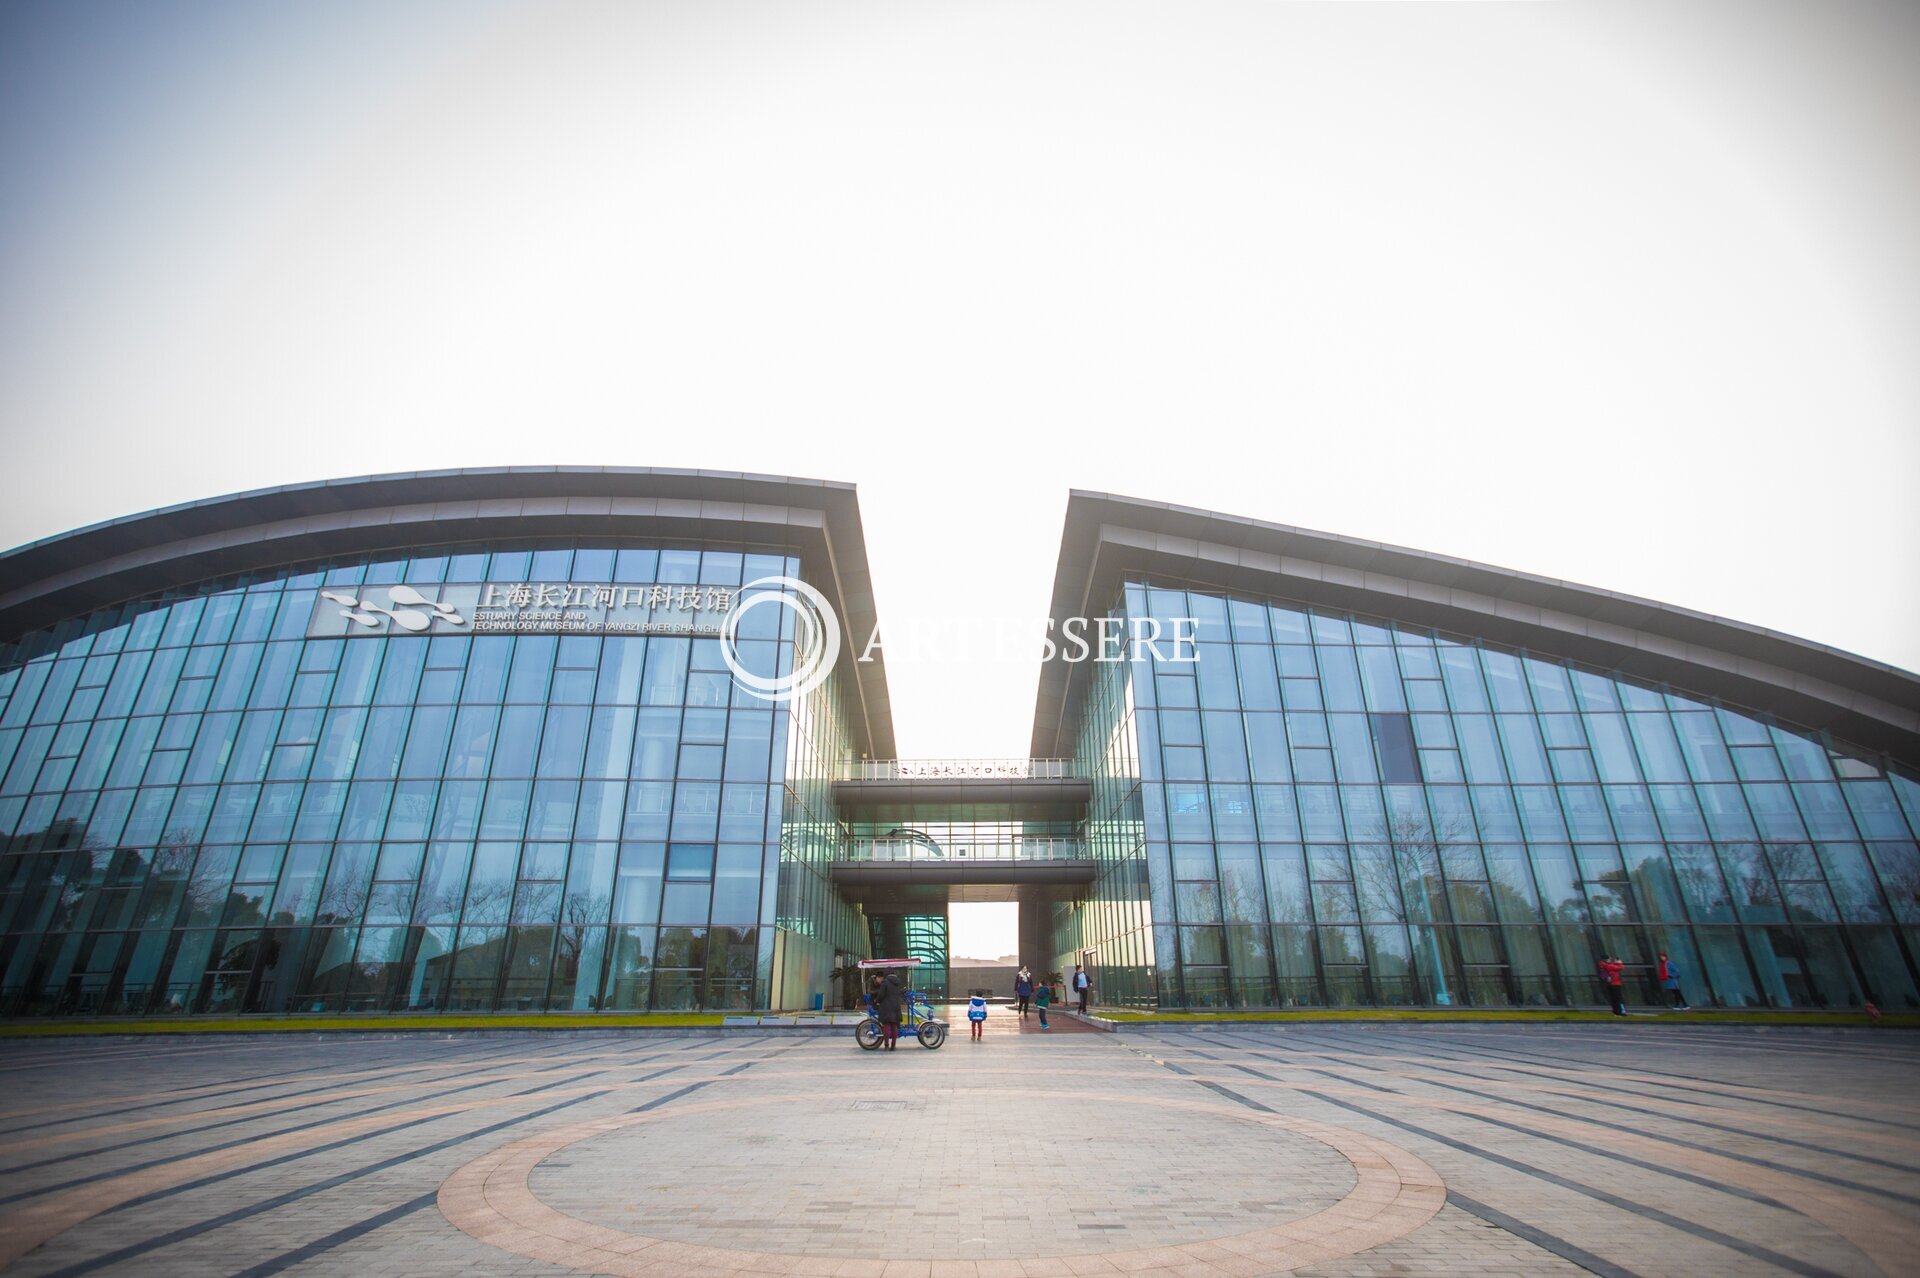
(886, 1000)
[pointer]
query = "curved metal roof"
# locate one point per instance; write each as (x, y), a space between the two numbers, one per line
(47, 581)
(1110, 538)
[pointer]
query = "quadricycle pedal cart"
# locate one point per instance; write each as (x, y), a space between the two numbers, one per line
(916, 1014)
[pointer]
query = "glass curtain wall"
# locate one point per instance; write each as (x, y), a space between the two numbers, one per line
(922, 936)
(819, 932)
(202, 809)
(1338, 810)
(1110, 930)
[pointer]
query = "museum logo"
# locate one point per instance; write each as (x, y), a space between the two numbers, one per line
(405, 613)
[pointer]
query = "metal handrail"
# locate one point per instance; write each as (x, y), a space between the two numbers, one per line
(942, 769)
(918, 850)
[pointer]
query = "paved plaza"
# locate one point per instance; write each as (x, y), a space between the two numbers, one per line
(1317, 1149)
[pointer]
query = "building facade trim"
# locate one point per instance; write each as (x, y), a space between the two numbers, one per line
(48, 581)
(1108, 539)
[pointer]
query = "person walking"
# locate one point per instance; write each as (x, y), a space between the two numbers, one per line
(977, 1013)
(1042, 995)
(1669, 975)
(1023, 990)
(886, 1008)
(1610, 970)
(1081, 986)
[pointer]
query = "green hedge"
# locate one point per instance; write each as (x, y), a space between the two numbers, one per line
(1496, 1014)
(307, 1024)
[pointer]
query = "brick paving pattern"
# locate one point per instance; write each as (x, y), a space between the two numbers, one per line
(1310, 1149)
(971, 1171)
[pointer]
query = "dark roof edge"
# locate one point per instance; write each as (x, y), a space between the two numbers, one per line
(399, 477)
(47, 581)
(1868, 702)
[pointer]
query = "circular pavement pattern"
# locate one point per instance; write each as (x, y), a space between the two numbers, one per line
(857, 1177)
(849, 1184)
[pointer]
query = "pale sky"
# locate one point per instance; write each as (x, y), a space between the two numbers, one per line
(1626, 293)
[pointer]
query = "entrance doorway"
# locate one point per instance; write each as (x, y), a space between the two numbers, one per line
(984, 941)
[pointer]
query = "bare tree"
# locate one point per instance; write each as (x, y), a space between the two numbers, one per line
(206, 893)
(1899, 868)
(577, 915)
(1408, 885)
(349, 880)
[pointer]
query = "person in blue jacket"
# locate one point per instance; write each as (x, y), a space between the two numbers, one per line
(1023, 990)
(1669, 974)
(977, 1013)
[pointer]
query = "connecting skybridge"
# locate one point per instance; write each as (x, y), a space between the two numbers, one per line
(959, 769)
(880, 869)
(929, 831)
(924, 848)
(920, 790)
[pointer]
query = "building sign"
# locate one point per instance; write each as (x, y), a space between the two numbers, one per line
(938, 769)
(522, 607)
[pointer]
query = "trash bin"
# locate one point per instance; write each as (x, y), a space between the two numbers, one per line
(819, 1002)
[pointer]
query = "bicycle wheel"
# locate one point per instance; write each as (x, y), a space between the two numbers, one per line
(931, 1034)
(867, 1034)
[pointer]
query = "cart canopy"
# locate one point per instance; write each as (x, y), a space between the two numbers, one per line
(866, 964)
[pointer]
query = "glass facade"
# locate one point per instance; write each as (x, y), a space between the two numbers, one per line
(922, 936)
(1110, 930)
(279, 794)
(204, 809)
(818, 932)
(1326, 809)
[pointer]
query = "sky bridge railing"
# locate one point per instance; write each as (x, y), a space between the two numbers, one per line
(956, 769)
(928, 850)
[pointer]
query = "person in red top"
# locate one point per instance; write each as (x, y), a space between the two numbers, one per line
(1610, 969)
